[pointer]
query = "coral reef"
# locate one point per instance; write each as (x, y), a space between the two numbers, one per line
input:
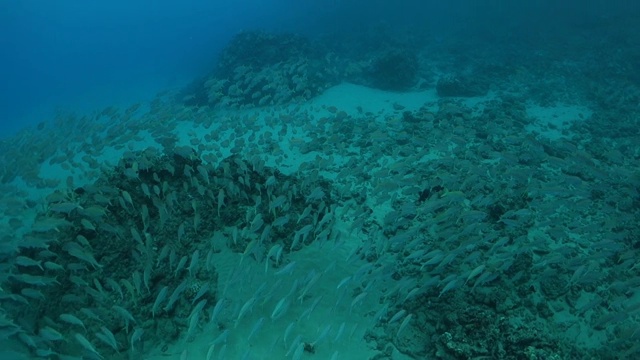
(259, 69)
(395, 69)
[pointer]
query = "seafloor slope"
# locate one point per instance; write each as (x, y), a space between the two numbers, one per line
(340, 223)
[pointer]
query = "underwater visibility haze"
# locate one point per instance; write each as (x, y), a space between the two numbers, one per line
(337, 179)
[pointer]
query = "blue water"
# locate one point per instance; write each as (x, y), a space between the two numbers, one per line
(83, 56)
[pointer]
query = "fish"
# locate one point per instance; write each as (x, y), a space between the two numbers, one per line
(115, 287)
(193, 266)
(87, 225)
(108, 338)
(50, 334)
(204, 173)
(72, 319)
(145, 190)
(404, 324)
(127, 197)
(248, 305)
(220, 200)
(322, 335)
(453, 284)
(175, 296)
(257, 223)
(198, 308)
(315, 195)
(201, 292)
(281, 221)
(33, 294)
(64, 207)
(397, 316)
(305, 213)
(288, 331)
(357, 300)
(137, 281)
(216, 310)
(81, 253)
(159, 299)
(281, 307)
(381, 312)
(164, 252)
(277, 203)
(287, 269)
(87, 345)
(28, 262)
(475, 272)
(193, 322)
(136, 336)
(304, 232)
(249, 249)
(256, 327)
(344, 282)
(181, 264)
(125, 314)
(210, 352)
